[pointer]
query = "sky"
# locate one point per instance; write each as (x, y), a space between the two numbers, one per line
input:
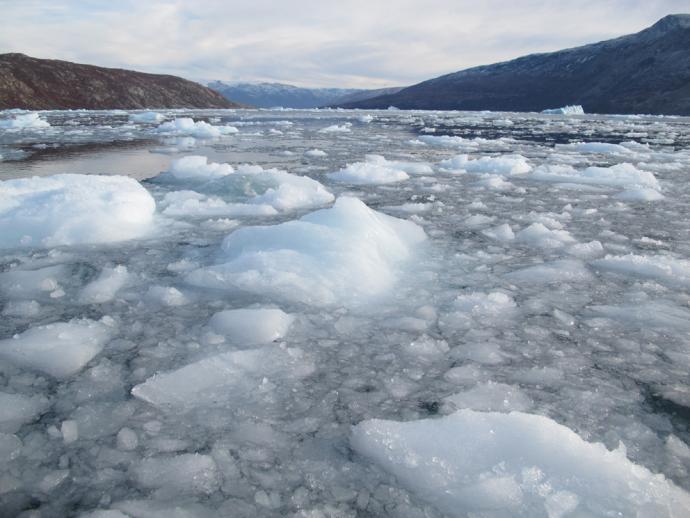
(346, 43)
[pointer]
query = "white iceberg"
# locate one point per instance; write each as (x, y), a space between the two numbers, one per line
(572, 109)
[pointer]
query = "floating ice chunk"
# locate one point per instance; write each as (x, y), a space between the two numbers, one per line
(60, 349)
(516, 464)
(484, 309)
(494, 182)
(264, 190)
(199, 129)
(196, 167)
(345, 255)
(639, 195)
(194, 204)
(647, 314)
(666, 269)
(505, 165)
(147, 117)
(22, 284)
(186, 473)
(366, 119)
(461, 143)
(599, 147)
(106, 286)
(337, 128)
(586, 250)
(501, 233)
(167, 296)
(167, 508)
(22, 308)
(571, 109)
(17, 410)
(50, 211)
(291, 192)
(565, 270)
(315, 153)
(251, 326)
(538, 235)
(490, 396)
(25, 121)
(225, 380)
(374, 170)
(619, 175)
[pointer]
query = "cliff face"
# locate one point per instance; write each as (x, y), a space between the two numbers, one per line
(47, 84)
(646, 72)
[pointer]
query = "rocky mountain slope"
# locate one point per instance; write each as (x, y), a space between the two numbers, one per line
(41, 84)
(270, 95)
(646, 72)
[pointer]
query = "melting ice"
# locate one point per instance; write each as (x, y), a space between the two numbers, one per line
(339, 314)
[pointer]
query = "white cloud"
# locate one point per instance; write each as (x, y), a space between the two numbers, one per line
(346, 43)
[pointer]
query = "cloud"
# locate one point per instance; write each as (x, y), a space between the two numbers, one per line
(348, 43)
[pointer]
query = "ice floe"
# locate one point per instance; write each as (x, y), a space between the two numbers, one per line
(50, 211)
(515, 464)
(340, 255)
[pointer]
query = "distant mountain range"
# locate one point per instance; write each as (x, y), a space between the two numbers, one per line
(271, 95)
(646, 72)
(48, 84)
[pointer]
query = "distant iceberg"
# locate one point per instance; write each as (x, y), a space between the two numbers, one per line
(574, 109)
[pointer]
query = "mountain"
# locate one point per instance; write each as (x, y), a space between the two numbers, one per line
(269, 95)
(47, 84)
(646, 72)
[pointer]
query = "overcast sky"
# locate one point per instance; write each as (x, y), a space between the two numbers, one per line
(353, 43)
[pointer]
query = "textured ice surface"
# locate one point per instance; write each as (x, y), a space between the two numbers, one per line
(341, 255)
(242, 378)
(516, 464)
(376, 169)
(251, 326)
(192, 128)
(24, 121)
(528, 262)
(59, 349)
(73, 209)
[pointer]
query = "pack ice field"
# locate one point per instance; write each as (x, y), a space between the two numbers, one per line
(344, 313)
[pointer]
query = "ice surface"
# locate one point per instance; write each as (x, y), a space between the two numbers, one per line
(147, 117)
(659, 267)
(17, 409)
(375, 169)
(60, 350)
(106, 286)
(516, 464)
(345, 254)
(503, 165)
(240, 377)
(222, 190)
(619, 175)
(24, 121)
(251, 326)
(551, 276)
(198, 168)
(197, 129)
(50, 211)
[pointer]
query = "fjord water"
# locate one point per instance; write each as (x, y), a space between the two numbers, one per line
(344, 313)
